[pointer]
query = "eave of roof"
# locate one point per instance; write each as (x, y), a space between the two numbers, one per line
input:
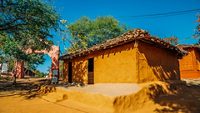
(185, 46)
(130, 36)
(188, 46)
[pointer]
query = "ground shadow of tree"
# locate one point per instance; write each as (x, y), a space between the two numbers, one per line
(23, 87)
(186, 100)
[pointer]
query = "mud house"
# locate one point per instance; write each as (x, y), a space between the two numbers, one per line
(133, 57)
(190, 63)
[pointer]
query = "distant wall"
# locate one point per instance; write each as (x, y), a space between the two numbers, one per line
(190, 64)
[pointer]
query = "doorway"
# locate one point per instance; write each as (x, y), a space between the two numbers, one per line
(70, 72)
(91, 71)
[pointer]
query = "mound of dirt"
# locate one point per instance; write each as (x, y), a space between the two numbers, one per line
(86, 98)
(161, 97)
(46, 89)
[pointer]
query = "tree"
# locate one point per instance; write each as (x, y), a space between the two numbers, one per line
(198, 28)
(197, 31)
(86, 32)
(172, 40)
(26, 24)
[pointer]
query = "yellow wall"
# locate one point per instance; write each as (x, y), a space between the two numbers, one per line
(116, 65)
(190, 64)
(79, 70)
(155, 63)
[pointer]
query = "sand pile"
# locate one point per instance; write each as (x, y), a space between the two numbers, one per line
(46, 89)
(94, 100)
(50, 93)
(39, 91)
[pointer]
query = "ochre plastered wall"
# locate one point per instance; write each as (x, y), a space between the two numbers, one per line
(80, 70)
(116, 65)
(190, 64)
(156, 63)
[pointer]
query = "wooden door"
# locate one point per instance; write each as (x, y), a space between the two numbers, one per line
(91, 71)
(70, 72)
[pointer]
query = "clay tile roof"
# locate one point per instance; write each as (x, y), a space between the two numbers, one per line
(183, 47)
(188, 46)
(136, 34)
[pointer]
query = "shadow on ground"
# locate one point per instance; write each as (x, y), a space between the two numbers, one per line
(27, 87)
(161, 97)
(186, 99)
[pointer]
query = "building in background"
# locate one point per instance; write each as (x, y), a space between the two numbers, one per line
(190, 63)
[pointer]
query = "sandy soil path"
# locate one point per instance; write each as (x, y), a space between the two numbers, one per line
(13, 99)
(108, 89)
(18, 104)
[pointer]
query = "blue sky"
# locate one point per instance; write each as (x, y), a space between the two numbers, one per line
(181, 26)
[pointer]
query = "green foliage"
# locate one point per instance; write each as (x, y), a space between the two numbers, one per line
(86, 32)
(197, 31)
(33, 16)
(26, 24)
(13, 51)
(172, 40)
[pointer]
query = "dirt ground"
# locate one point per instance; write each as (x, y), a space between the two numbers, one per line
(108, 89)
(21, 98)
(157, 97)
